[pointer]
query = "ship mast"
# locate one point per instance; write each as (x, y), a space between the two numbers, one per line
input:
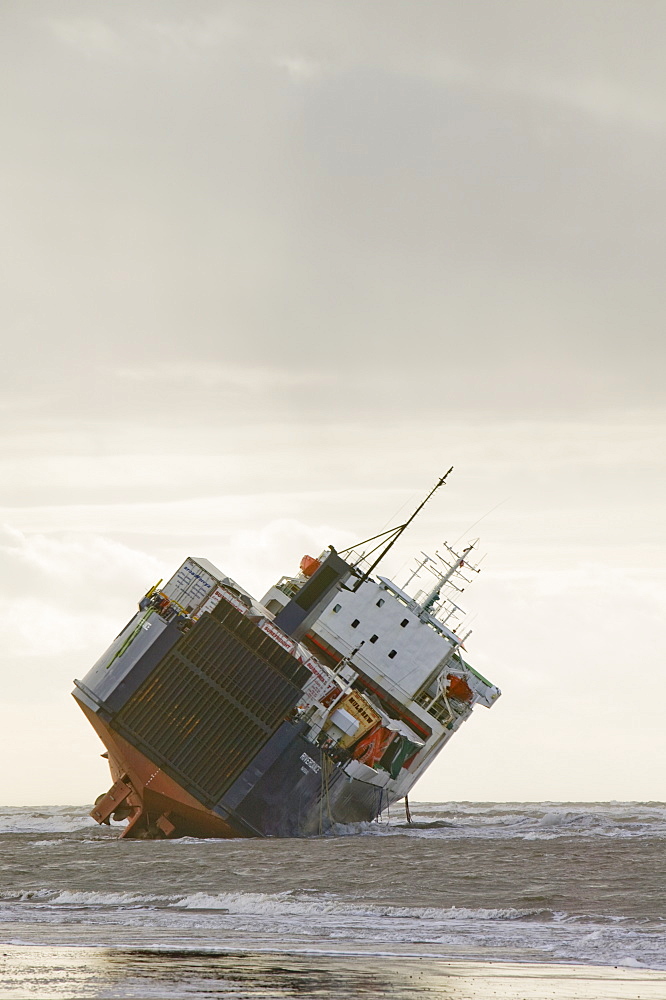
(394, 533)
(454, 568)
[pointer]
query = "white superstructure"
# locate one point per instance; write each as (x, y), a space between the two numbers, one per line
(399, 653)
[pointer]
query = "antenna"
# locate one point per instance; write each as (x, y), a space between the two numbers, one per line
(419, 567)
(453, 569)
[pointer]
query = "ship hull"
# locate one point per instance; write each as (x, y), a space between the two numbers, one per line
(291, 789)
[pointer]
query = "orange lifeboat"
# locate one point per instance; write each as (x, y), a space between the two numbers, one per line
(309, 566)
(458, 688)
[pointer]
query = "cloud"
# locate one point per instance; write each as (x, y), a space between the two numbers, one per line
(263, 555)
(607, 100)
(427, 214)
(270, 269)
(194, 31)
(300, 69)
(600, 98)
(90, 36)
(72, 559)
(60, 594)
(251, 376)
(35, 630)
(117, 31)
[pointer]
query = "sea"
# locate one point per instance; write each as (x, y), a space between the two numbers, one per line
(86, 914)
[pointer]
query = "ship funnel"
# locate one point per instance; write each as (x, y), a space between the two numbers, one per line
(297, 616)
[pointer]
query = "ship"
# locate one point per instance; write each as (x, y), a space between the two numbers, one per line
(317, 707)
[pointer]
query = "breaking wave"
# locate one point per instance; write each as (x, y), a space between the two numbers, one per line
(267, 904)
(285, 903)
(445, 820)
(518, 820)
(45, 819)
(295, 922)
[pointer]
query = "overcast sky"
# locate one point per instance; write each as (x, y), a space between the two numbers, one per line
(269, 269)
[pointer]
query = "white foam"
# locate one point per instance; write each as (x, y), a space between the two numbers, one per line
(286, 903)
(105, 899)
(46, 819)
(291, 921)
(519, 821)
(439, 820)
(269, 904)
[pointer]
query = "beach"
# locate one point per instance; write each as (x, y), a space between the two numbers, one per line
(40, 972)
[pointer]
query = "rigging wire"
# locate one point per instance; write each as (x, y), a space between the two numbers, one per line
(482, 518)
(409, 501)
(402, 527)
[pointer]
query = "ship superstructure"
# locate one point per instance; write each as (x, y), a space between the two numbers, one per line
(319, 705)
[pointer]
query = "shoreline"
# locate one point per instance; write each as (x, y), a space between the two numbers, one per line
(42, 972)
(202, 950)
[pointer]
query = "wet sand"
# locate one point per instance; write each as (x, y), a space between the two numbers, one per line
(63, 973)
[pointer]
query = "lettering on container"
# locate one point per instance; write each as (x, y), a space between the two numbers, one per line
(359, 708)
(188, 581)
(356, 705)
(219, 594)
(320, 684)
(312, 764)
(278, 636)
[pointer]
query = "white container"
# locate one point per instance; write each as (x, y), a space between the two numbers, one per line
(344, 720)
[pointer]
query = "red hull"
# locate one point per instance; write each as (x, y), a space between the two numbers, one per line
(154, 803)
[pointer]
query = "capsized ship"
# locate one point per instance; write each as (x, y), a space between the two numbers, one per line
(319, 705)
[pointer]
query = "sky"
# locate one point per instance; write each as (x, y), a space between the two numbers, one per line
(269, 269)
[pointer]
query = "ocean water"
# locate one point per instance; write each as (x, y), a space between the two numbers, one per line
(557, 883)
